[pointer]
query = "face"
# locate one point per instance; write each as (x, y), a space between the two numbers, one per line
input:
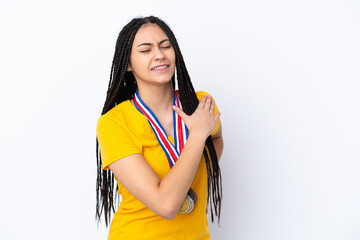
(152, 58)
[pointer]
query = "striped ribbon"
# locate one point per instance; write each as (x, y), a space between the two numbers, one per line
(181, 132)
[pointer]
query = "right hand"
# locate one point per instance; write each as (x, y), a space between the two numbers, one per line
(202, 120)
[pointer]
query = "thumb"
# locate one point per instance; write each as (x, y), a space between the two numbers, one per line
(179, 112)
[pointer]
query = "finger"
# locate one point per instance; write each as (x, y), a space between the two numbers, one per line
(212, 107)
(179, 112)
(202, 101)
(217, 116)
(208, 102)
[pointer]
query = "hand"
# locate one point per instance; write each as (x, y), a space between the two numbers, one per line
(201, 121)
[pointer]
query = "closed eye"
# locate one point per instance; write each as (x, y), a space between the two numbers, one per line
(144, 51)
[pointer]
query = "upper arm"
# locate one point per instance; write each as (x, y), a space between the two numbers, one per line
(115, 141)
(218, 133)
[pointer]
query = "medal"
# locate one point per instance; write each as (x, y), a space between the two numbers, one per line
(172, 152)
(189, 202)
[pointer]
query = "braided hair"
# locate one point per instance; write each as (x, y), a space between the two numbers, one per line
(122, 87)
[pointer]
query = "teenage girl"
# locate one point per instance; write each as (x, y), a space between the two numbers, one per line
(160, 144)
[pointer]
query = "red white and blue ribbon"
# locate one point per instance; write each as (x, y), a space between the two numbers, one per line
(181, 132)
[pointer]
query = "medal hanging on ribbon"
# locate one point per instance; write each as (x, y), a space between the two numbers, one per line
(181, 133)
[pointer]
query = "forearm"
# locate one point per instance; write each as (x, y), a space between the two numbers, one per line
(174, 186)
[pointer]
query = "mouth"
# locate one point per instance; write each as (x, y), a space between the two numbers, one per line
(161, 68)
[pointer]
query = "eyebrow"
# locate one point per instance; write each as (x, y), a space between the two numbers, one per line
(150, 44)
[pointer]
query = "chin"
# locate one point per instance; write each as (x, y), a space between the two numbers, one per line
(162, 79)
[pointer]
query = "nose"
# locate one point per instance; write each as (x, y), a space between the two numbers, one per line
(158, 54)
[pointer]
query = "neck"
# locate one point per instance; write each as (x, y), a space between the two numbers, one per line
(158, 98)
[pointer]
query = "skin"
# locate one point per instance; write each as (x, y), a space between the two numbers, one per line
(165, 196)
(154, 88)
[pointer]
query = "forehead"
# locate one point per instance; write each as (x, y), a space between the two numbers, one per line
(149, 33)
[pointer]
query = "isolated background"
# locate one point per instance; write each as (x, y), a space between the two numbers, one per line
(285, 75)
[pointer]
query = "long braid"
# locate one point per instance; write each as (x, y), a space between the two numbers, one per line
(122, 86)
(105, 178)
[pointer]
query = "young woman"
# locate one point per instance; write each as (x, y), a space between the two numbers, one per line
(161, 145)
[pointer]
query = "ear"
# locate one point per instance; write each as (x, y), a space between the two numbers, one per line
(129, 68)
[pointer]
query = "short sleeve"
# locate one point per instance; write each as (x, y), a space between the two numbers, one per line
(199, 95)
(115, 141)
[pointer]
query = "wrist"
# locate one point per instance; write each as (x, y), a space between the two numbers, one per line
(198, 135)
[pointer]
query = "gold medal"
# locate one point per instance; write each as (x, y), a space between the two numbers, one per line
(185, 206)
(189, 202)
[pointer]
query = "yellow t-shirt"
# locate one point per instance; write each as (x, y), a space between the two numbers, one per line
(124, 131)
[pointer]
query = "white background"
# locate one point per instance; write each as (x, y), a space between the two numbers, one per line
(285, 75)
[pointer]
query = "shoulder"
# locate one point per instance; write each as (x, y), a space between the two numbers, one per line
(122, 118)
(200, 94)
(117, 110)
(118, 115)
